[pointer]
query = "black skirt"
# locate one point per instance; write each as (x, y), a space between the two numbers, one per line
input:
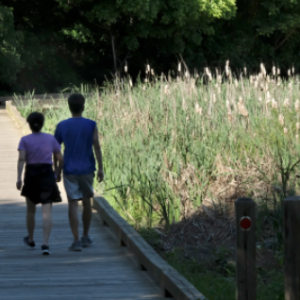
(40, 185)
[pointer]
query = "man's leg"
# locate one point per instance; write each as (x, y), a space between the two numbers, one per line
(30, 219)
(47, 221)
(73, 218)
(86, 215)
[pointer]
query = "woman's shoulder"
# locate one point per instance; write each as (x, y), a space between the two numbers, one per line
(48, 136)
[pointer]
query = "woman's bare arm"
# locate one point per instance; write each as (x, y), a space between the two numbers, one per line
(21, 163)
(58, 158)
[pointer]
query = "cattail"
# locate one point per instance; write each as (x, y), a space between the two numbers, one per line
(268, 95)
(297, 136)
(242, 109)
(167, 92)
(297, 106)
(289, 72)
(125, 68)
(228, 104)
(259, 99)
(146, 80)
(152, 72)
(274, 104)
(198, 109)
(274, 71)
(281, 119)
(286, 102)
(278, 71)
(227, 69)
(217, 72)
(236, 82)
(147, 69)
(267, 86)
(130, 82)
(245, 71)
(214, 98)
(293, 70)
(285, 131)
(263, 69)
(229, 116)
(179, 67)
(183, 104)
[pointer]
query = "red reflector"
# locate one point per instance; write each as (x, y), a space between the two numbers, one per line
(245, 223)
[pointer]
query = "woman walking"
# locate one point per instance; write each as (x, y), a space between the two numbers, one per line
(40, 186)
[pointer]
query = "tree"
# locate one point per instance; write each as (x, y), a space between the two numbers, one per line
(10, 63)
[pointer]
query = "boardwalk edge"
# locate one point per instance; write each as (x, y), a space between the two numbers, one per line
(169, 279)
(17, 117)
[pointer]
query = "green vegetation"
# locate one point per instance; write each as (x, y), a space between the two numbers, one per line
(216, 279)
(49, 45)
(168, 145)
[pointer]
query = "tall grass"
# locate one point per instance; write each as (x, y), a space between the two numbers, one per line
(169, 144)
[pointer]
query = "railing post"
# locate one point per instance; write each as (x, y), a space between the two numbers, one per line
(291, 217)
(246, 247)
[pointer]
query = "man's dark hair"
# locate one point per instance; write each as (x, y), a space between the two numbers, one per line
(36, 121)
(76, 103)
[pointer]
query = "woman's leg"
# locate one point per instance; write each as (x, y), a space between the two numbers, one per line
(30, 219)
(47, 221)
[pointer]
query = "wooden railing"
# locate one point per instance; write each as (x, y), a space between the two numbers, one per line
(37, 97)
(246, 248)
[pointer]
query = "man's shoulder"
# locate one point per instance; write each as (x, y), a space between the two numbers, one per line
(89, 120)
(64, 122)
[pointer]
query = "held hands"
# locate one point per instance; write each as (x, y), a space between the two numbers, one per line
(19, 184)
(100, 175)
(58, 176)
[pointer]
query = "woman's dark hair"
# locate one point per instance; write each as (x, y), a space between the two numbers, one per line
(36, 121)
(76, 103)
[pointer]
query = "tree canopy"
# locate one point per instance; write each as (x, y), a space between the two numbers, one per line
(49, 45)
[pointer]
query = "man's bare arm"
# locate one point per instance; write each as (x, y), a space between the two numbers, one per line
(98, 153)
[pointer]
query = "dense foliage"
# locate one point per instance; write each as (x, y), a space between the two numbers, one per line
(51, 44)
(168, 145)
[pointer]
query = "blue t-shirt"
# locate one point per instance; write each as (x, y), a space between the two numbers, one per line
(77, 136)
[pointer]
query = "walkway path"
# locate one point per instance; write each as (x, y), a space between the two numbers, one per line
(103, 271)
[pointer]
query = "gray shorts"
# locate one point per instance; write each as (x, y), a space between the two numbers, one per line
(79, 186)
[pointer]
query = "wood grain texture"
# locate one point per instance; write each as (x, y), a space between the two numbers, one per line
(102, 271)
(291, 211)
(245, 241)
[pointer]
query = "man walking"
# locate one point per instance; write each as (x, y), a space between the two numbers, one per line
(79, 136)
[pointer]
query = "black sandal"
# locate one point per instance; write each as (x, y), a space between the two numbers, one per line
(26, 242)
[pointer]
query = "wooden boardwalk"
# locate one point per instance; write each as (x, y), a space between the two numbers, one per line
(103, 271)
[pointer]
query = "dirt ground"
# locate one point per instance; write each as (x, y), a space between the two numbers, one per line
(209, 238)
